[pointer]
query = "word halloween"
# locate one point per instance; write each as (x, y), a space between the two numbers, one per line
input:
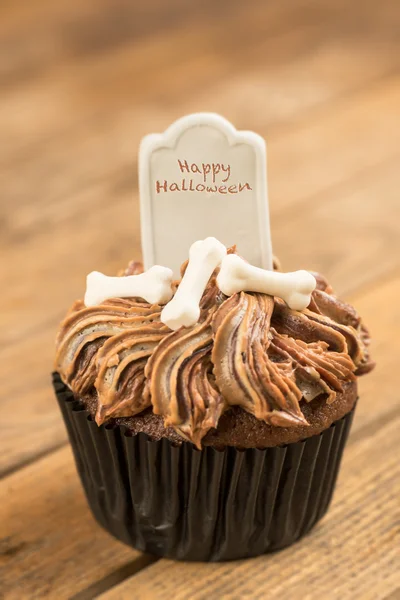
(214, 179)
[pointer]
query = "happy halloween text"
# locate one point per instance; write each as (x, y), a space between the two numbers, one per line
(215, 178)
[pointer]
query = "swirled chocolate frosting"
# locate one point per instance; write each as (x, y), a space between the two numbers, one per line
(249, 350)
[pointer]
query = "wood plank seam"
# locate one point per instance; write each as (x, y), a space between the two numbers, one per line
(116, 577)
(32, 459)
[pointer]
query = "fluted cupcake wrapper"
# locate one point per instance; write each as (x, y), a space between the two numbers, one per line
(209, 505)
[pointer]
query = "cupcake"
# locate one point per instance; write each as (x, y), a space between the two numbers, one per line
(219, 440)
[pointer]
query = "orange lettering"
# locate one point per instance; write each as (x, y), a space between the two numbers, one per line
(161, 186)
(227, 169)
(232, 189)
(174, 187)
(200, 187)
(183, 166)
(222, 189)
(243, 186)
(216, 167)
(206, 170)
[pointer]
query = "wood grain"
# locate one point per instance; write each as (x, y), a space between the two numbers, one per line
(51, 547)
(104, 167)
(81, 83)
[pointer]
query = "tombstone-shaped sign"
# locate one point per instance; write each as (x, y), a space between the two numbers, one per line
(203, 178)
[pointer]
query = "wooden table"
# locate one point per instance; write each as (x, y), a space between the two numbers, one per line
(81, 83)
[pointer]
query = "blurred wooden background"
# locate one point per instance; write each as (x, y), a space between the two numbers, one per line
(81, 83)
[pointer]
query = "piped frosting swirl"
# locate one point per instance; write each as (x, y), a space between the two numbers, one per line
(249, 350)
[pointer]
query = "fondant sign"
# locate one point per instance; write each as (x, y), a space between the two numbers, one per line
(203, 178)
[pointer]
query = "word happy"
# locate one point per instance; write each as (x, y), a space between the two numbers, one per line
(214, 179)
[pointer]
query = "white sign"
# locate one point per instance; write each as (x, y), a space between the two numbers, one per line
(203, 178)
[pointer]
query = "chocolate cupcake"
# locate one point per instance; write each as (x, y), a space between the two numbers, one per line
(217, 441)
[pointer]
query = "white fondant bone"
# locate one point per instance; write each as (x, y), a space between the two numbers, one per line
(184, 310)
(153, 285)
(236, 275)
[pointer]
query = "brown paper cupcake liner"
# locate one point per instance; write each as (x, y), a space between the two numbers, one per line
(209, 505)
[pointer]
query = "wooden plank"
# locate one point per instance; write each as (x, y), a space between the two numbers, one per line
(322, 151)
(352, 554)
(136, 79)
(37, 220)
(75, 143)
(43, 36)
(50, 545)
(342, 142)
(134, 73)
(379, 390)
(350, 233)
